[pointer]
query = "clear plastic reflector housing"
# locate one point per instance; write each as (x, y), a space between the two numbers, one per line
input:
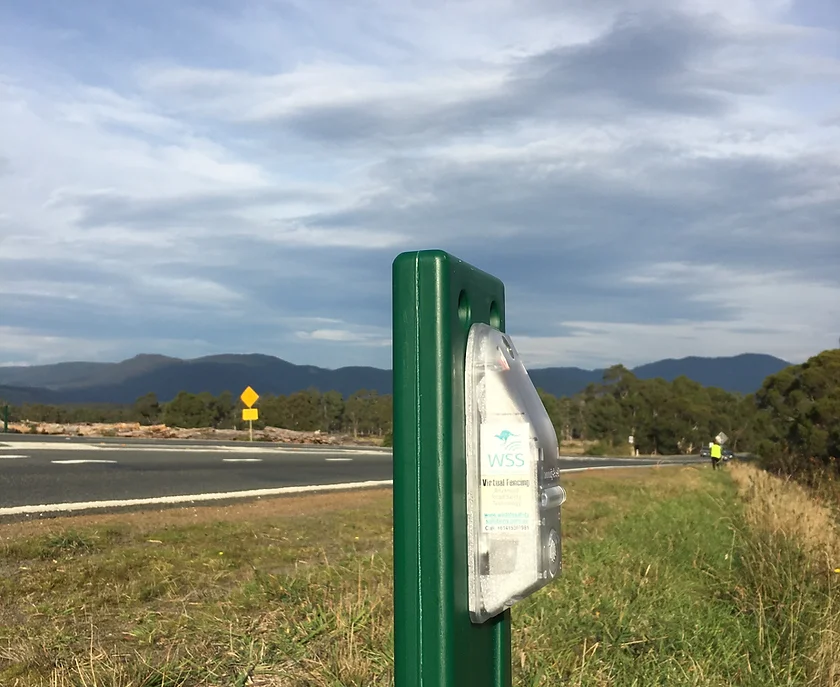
(513, 490)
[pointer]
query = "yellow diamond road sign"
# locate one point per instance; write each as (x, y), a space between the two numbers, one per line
(249, 397)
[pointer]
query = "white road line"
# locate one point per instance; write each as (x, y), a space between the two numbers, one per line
(628, 459)
(189, 498)
(627, 467)
(182, 448)
(6, 456)
(77, 462)
(50, 446)
(337, 460)
(242, 460)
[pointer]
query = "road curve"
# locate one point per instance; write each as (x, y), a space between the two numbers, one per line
(55, 475)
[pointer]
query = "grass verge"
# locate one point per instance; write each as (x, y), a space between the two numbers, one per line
(663, 584)
(791, 563)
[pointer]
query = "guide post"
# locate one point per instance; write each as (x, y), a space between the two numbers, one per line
(477, 495)
(436, 298)
(5, 419)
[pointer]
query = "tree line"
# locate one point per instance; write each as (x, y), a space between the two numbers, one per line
(793, 421)
(662, 418)
(800, 410)
(364, 413)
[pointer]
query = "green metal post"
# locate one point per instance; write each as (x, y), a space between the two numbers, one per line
(437, 297)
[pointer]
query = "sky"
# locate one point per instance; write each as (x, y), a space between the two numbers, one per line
(649, 178)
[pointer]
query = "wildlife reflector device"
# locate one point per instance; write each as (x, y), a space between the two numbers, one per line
(513, 490)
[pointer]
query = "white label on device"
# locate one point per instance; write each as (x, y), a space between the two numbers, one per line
(507, 473)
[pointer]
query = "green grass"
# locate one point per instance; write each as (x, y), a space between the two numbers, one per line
(646, 602)
(657, 589)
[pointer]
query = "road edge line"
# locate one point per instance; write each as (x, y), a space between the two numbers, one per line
(188, 498)
(628, 467)
(251, 493)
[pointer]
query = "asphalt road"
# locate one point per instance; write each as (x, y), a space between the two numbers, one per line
(59, 474)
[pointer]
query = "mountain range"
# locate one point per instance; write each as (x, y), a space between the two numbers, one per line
(124, 382)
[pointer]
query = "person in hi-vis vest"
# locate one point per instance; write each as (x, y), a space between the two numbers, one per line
(716, 453)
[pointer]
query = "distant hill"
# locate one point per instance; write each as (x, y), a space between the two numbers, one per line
(743, 373)
(21, 394)
(80, 374)
(124, 382)
(564, 381)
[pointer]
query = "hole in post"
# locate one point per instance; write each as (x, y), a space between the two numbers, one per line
(495, 315)
(464, 309)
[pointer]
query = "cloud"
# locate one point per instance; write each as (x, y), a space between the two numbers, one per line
(34, 346)
(649, 178)
(645, 64)
(756, 300)
(381, 338)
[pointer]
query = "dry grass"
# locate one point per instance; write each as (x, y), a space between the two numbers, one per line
(666, 581)
(578, 447)
(293, 592)
(786, 509)
(793, 552)
(575, 447)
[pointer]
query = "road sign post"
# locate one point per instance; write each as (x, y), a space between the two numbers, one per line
(5, 418)
(249, 397)
(436, 299)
